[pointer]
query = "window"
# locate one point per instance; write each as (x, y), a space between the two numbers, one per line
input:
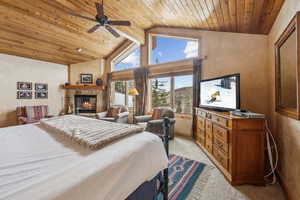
(120, 93)
(168, 49)
(160, 92)
(176, 92)
(183, 94)
(128, 59)
(130, 84)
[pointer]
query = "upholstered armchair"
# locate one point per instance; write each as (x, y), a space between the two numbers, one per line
(116, 113)
(32, 114)
(154, 122)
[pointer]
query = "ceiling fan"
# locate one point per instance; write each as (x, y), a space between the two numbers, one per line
(103, 21)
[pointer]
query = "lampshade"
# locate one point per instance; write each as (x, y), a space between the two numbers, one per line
(133, 92)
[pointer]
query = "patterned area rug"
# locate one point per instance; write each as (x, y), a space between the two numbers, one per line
(186, 178)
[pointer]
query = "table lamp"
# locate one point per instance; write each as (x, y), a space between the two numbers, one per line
(133, 92)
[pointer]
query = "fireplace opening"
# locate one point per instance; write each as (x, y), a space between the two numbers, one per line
(85, 104)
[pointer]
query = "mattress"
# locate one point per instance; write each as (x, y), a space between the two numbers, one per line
(36, 164)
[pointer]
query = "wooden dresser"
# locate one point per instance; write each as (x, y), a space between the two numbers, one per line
(234, 144)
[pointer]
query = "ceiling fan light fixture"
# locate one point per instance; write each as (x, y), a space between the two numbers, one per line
(103, 21)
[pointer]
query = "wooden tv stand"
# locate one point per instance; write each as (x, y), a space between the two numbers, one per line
(234, 144)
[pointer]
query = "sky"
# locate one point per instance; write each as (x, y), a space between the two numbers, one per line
(167, 49)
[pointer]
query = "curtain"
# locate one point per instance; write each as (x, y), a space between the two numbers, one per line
(108, 90)
(141, 84)
(197, 68)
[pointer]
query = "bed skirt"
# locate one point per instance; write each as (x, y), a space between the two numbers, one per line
(146, 191)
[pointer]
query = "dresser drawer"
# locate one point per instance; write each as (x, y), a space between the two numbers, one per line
(200, 133)
(200, 123)
(220, 132)
(209, 136)
(208, 115)
(208, 126)
(202, 141)
(220, 157)
(220, 120)
(209, 146)
(202, 113)
(224, 147)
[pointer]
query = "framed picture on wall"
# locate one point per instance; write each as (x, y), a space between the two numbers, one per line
(24, 86)
(86, 78)
(24, 95)
(41, 86)
(41, 95)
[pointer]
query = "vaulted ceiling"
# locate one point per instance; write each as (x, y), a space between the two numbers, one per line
(42, 29)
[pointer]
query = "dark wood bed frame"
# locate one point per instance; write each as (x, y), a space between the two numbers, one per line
(148, 190)
(165, 138)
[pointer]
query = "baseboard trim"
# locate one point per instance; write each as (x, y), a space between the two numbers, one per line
(283, 185)
(183, 135)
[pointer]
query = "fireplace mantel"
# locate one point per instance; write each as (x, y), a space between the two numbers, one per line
(83, 87)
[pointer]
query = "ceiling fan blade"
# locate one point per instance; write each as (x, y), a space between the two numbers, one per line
(84, 17)
(100, 9)
(119, 23)
(94, 28)
(112, 31)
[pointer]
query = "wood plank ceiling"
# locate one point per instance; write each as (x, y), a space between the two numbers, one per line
(41, 29)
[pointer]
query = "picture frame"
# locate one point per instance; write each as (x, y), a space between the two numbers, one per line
(41, 86)
(86, 78)
(41, 94)
(287, 70)
(24, 94)
(24, 85)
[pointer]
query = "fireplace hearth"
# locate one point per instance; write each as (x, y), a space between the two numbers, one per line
(85, 104)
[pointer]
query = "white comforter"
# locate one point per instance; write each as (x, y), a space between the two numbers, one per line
(36, 165)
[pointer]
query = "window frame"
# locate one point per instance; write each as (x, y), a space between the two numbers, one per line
(126, 92)
(172, 92)
(150, 42)
(123, 55)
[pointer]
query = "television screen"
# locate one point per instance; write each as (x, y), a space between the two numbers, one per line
(221, 93)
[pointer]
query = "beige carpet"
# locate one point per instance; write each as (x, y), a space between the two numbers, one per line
(216, 187)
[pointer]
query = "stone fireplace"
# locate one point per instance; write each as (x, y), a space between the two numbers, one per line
(85, 104)
(85, 101)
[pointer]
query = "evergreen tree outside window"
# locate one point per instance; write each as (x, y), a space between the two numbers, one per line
(120, 93)
(160, 92)
(179, 96)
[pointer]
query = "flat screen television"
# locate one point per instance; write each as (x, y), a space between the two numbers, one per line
(222, 93)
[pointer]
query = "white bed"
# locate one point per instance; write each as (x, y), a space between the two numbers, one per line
(38, 165)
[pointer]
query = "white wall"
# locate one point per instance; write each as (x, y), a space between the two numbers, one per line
(14, 69)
